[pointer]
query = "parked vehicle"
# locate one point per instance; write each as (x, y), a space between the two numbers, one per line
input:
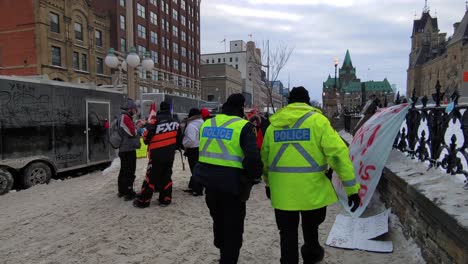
(49, 127)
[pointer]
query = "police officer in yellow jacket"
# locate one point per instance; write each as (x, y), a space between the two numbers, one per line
(229, 162)
(297, 147)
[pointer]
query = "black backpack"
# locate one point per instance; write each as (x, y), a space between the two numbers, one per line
(115, 135)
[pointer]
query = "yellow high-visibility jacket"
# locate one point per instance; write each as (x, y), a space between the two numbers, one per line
(297, 148)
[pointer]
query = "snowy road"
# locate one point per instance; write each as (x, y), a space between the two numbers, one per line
(81, 220)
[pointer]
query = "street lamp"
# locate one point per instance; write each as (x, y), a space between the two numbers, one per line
(132, 61)
(335, 61)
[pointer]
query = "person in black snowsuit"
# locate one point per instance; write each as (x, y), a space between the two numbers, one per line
(163, 138)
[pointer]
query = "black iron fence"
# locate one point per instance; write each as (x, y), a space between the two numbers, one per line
(436, 134)
(432, 133)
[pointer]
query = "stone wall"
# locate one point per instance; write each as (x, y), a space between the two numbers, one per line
(431, 208)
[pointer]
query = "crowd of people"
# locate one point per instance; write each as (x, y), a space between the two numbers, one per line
(230, 152)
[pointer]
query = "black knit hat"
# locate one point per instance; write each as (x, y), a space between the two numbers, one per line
(235, 101)
(299, 95)
(194, 112)
(164, 106)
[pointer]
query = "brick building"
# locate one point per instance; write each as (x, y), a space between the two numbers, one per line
(435, 58)
(63, 39)
(169, 30)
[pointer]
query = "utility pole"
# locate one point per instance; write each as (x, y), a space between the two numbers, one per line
(132, 91)
(269, 92)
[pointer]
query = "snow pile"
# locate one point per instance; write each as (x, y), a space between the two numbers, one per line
(114, 167)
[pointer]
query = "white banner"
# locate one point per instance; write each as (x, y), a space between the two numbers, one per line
(369, 152)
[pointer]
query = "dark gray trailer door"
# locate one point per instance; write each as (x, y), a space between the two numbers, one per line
(97, 115)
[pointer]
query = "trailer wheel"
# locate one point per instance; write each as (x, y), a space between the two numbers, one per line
(36, 173)
(6, 181)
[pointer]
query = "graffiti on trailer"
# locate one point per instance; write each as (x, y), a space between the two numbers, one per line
(22, 105)
(68, 156)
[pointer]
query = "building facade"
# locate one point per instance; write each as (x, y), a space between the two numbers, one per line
(166, 30)
(63, 39)
(434, 57)
(246, 58)
(347, 92)
(219, 81)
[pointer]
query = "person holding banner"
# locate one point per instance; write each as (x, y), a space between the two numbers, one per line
(298, 145)
(163, 138)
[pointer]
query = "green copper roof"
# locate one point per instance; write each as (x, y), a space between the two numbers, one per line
(347, 60)
(330, 82)
(383, 86)
(371, 86)
(352, 87)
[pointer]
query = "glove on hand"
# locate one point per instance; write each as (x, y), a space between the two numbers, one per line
(354, 201)
(267, 192)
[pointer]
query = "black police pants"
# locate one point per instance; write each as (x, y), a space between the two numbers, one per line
(228, 213)
(192, 155)
(127, 172)
(288, 222)
(159, 179)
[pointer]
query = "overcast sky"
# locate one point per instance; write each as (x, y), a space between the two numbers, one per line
(376, 32)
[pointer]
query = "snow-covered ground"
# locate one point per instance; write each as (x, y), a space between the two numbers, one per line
(81, 220)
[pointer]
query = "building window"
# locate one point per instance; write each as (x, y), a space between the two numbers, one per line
(176, 65)
(141, 51)
(175, 14)
(56, 56)
(154, 56)
(154, 75)
(98, 38)
(230, 59)
(237, 66)
(122, 22)
(123, 45)
(154, 37)
(78, 31)
(142, 73)
(99, 66)
(182, 4)
(141, 31)
(182, 20)
(224, 59)
(76, 60)
(219, 60)
(184, 51)
(175, 48)
(122, 3)
(168, 28)
(153, 2)
(175, 31)
(84, 62)
(183, 35)
(168, 46)
(153, 18)
(140, 10)
(237, 59)
(167, 9)
(184, 67)
(54, 22)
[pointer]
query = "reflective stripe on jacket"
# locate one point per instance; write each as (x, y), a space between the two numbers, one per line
(297, 147)
(220, 141)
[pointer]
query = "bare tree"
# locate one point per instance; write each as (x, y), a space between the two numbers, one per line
(274, 61)
(316, 104)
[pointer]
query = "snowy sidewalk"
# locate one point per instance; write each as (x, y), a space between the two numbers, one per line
(81, 220)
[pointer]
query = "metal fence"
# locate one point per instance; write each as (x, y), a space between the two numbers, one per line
(432, 133)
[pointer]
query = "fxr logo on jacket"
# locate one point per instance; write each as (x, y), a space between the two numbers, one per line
(167, 127)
